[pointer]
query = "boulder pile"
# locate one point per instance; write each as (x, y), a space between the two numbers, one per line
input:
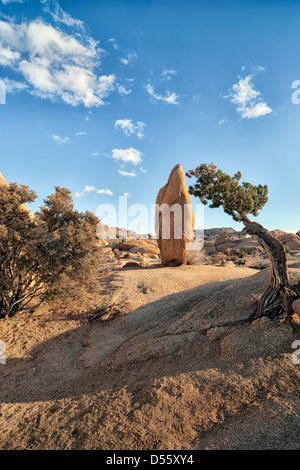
(227, 248)
(129, 253)
(231, 246)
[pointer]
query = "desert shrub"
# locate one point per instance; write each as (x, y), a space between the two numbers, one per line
(51, 256)
(214, 259)
(241, 253)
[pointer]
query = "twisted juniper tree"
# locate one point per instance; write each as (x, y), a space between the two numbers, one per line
(238, 200)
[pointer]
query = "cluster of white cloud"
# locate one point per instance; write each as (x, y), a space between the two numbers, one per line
(130, 155)
(124, 157)
(129, 128)
(63, 67)
(114, 43)
(53, 64)
(223, 120)
(131, 173)
(248, 100)
(167, 74)
(130, 57)
(170, 98)
(127, 173)
(60, 140)
(123, 91)
(60, 16)
(81, 133)
(11, 1)
(93, 189)
(65, 140)
(12, 86)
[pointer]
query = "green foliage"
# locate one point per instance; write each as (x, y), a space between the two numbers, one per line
(237, 199)
(51, 256)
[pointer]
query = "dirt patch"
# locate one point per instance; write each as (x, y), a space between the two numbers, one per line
(180, 368)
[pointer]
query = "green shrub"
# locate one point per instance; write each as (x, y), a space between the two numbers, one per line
(49, 257)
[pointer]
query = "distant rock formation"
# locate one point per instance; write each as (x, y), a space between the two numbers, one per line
(174, 228)
(3, 181)
(215, 232)
(290, 240)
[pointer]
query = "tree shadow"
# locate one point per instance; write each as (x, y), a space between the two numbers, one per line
(176, 334)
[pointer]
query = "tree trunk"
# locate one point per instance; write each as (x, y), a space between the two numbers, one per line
(277, 299)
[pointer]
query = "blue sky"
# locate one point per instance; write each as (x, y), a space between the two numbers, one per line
(105, 97)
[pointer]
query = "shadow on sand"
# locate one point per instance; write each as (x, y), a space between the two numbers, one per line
(170, 336)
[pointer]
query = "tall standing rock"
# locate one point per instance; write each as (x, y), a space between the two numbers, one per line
(174, 219)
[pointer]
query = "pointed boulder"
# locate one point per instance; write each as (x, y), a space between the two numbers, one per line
(174, 219)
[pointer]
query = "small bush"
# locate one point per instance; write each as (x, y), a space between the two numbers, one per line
(52, 256)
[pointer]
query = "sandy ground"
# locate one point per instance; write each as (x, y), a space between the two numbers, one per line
(178, 367)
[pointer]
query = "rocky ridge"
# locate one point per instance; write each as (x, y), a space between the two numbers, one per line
(220, 246)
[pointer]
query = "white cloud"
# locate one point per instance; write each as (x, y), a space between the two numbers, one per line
(127, 173)
(222, 121)
(114, 43)
(60, 16)
(259, 68)
(8, 57)
(81, 133)
(123, 91)
(129, 58)
(129, 128)
(256, 110)
(248, 101)
(11, 1)
(96, 154)
(55, 65)
(171, 98)
(12, 86)
(130, 155)
(127, 195)
(142, 170)
(104, 191)
(167, 74)
(92, 189)
(77, 194)
(88, 188)
(60, 140)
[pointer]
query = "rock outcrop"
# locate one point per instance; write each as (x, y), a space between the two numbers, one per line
(212, 233)
(4, 183)
(174, 219)
(290, 240)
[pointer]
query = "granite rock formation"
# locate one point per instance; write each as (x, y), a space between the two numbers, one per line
(174, 219)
